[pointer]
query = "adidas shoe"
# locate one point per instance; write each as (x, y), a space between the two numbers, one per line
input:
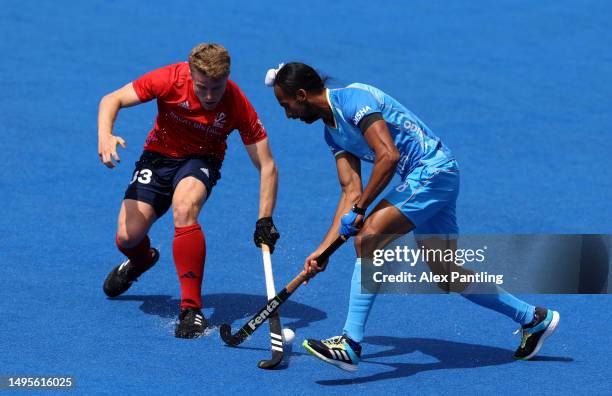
(534, 334)
(191, 323)
(340, 351)
(121, 277)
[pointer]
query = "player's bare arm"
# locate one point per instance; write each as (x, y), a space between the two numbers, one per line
(349, 176)
(107, 113)
(261, 156)
(387, 156)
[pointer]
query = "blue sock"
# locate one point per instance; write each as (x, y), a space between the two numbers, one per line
(491, 296)
(359, 307)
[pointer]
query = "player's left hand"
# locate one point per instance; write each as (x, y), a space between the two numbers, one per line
(107, 149)
(350, 224)
(265, 232)
(312, 266)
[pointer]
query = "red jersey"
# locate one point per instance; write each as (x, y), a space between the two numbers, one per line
(183, 127)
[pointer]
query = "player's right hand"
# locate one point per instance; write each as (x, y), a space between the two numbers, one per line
(107, 149)
(266, 232)
(312, 267)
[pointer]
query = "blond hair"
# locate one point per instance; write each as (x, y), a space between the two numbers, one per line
(211, 59)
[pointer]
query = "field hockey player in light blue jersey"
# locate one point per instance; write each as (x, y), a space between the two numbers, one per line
(363, 123)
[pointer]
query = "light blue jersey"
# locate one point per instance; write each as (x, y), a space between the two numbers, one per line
(427, 194)
(417, 144)
(429, 186)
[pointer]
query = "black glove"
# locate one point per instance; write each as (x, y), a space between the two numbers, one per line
(265, 232)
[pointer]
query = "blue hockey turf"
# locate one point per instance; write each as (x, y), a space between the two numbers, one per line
(519, 90)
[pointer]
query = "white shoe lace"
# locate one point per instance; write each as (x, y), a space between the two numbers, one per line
(524, 335)
(333, 342)
(123, 265)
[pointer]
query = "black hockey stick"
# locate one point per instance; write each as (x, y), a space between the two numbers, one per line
(274, 303)
(276, 329)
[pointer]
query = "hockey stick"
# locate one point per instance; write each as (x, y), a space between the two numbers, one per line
(276, 330)
(274, 303)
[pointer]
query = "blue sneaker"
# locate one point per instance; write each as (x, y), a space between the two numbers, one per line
(534, 334)
(340, 351)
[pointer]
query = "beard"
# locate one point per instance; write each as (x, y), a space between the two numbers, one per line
(310, 115)
(309, 119)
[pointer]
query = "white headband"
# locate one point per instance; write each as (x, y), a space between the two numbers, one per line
(271, 75)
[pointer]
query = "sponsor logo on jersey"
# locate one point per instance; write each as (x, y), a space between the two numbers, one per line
(412, 127)
(184, 105)
(219, 120)
(212, 129)
(363, 111)
(259, 319)
(417, 130)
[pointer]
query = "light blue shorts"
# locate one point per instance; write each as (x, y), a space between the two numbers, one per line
(428, 198)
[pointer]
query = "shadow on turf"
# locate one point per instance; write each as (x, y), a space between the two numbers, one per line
(226, 308)
(229, 308)
(449, 355)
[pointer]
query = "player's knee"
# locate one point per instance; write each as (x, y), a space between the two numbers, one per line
(185, 212)
(360, 239)
(357, 242)
(366, 242)
(129, 237)
(357, 245)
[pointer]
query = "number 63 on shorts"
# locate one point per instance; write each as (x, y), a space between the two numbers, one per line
(156, 176)
(143, 176)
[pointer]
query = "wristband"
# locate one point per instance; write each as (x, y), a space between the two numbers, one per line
(358, 210)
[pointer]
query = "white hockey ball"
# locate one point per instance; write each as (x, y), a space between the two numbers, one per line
(288, 336)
